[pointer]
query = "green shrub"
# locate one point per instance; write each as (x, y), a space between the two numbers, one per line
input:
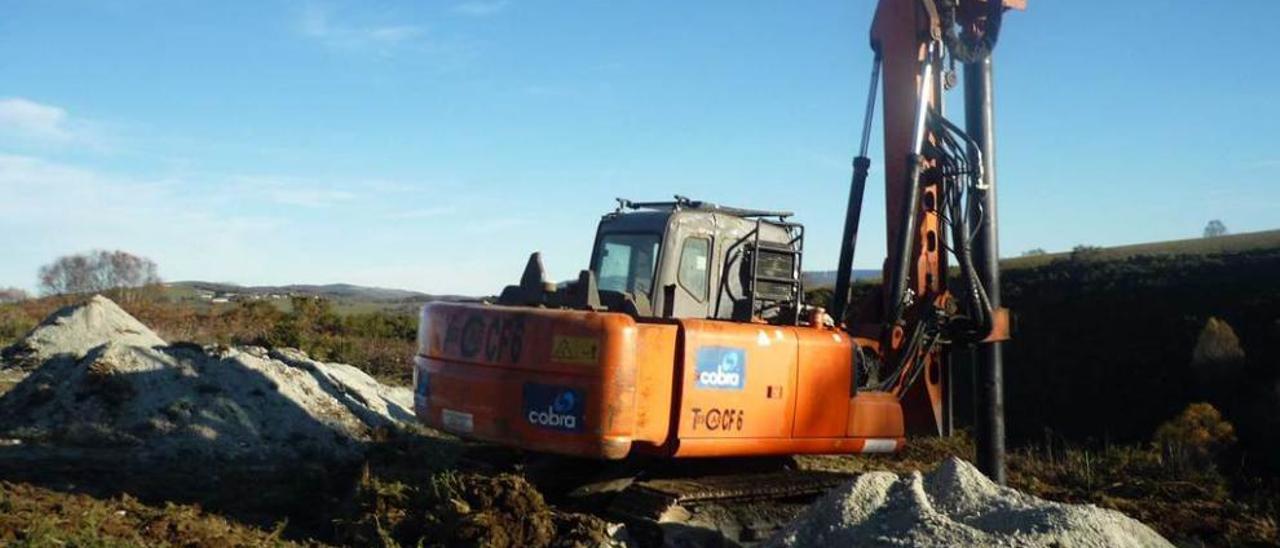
(14, 323)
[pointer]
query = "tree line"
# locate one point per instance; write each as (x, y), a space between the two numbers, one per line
(90, 272)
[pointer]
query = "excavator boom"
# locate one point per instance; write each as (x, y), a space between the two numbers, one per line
(939, 207)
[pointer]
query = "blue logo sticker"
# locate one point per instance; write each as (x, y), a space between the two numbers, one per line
(554, 407)
(721, 368)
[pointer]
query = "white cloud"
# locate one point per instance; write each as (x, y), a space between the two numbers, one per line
(422, 213)
(50, 209)
(552, 91)
(352, 33)
(34, 119)
(318, 23)
(286, 191)
(31, 122)
(244, 228)
(494, 225)
(480, 8)
(310, 197)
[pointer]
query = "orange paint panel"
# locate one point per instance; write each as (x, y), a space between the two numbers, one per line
(823, 384)
(485, 404)
(729, 372)
(875, 415)
(525, 337)
(655, 377)
(494, 373)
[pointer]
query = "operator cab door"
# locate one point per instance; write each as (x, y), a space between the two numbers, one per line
(688, 270)
(692, 281)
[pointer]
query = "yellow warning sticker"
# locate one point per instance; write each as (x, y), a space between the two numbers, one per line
(580, 350)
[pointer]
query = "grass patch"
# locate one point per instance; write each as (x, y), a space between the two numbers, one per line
(35, 517)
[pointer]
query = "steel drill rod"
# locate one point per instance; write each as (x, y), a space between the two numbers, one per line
(989, 371)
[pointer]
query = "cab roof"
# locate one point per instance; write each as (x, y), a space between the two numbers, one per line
(682, 203)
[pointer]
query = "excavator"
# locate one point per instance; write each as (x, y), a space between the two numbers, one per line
(689, 334)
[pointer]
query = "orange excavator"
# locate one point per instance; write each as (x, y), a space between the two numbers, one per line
(689, 334)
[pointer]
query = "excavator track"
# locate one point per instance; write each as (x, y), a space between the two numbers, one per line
(722, 510)
(661, 498)
(699, 502)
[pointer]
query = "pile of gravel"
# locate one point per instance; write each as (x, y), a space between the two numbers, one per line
(955, 505)
(103, 380)
(75, 330)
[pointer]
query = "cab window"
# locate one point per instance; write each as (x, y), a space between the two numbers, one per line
(694, 268)
(626, 262)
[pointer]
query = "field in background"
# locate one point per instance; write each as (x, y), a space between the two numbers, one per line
(1232, 243)
(374, 336)
(342, 298)
(1218, 245)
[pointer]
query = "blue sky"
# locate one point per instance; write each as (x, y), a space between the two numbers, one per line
(433, 145)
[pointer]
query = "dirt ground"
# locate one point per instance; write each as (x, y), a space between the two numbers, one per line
(410, 490)
(419, 487)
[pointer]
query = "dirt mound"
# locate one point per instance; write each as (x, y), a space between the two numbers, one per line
(491, 511)
(75, 330)
(468, 509)
(955, 505)
(105, 380)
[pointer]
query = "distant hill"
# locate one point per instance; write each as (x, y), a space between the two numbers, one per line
(823, 278)
(1232, 243)
(338, 292)
(350, 293)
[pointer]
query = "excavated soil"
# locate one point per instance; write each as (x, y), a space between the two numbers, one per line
(101, 380)
(491, 511)
(467, 509)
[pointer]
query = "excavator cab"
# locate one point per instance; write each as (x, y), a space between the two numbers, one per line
(695, 259)
(683, 259)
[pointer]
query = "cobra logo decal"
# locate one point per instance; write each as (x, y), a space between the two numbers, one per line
(721, 368)
(554, 407)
